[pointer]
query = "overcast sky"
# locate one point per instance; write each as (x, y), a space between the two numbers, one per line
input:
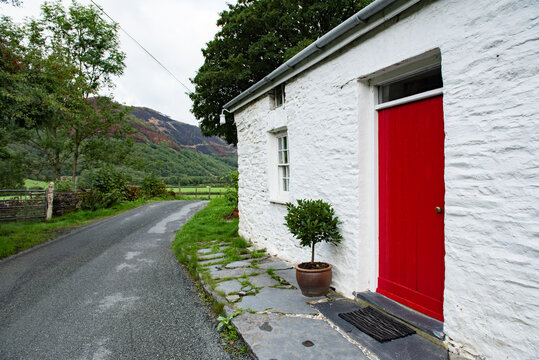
(174, 31)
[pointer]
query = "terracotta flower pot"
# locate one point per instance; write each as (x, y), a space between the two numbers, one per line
(313, 282)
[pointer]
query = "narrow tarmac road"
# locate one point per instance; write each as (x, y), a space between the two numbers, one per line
(111, 290)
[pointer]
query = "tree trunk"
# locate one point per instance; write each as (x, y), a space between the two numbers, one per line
(75, 164)
(312, 252)
(57, 167)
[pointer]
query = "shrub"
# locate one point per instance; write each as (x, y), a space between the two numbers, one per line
(231, 194)
(108, 179)
(94, 199)
(153, 186)
(133, 193)
(63, 185)
(109, 186)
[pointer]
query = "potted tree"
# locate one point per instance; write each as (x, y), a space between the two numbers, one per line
(311, 222)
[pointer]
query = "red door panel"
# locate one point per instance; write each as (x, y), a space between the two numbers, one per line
(411, 180)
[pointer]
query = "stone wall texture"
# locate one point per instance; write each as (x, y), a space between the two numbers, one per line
(489, 57)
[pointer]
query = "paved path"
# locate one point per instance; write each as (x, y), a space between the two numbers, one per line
(278, 323)
(112, 290)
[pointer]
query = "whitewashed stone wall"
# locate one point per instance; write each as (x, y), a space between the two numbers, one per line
(489, 54)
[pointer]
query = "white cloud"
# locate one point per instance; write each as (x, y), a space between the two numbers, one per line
(174, 31)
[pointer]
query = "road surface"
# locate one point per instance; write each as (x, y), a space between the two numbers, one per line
(111, 290)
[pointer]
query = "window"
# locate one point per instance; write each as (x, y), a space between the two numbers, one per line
(283, 165)
(278, 95)
(422, 82)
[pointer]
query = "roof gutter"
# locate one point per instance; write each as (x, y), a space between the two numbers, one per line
(359, 18)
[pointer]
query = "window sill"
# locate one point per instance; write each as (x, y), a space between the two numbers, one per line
(281, 200)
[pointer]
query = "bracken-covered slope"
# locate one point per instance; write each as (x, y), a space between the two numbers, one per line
(156, 128)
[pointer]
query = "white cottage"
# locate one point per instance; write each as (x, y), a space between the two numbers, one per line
(418, 120)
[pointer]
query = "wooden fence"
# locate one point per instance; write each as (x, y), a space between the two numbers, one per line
(23, 204)
(205, 192)
(30, 204)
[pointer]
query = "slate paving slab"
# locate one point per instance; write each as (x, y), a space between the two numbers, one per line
(409, 347)
(204, 251)
(209, 250)
(274, 264)
(212, 256)
(263, 280)
(278, 301)
(220, 273)
(229, 286)
(211, 268)
(210, 262)
(289, 275)
(275, 336)
(238, 264)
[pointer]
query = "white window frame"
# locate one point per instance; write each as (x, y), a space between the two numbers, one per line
(283, 153)
(279, 166)
(278, 97)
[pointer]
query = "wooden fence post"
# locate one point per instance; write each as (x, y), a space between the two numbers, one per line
(179, 189)
(50, 198)
(196, 192)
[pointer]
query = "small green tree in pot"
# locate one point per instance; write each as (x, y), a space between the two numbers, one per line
(311, 222)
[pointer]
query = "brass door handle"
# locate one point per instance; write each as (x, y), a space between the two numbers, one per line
(438, 210)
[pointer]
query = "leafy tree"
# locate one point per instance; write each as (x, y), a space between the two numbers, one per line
(10, 67)
(257, 36)
(35, 94)
(87, 42)
(91, 46)
(51, 70)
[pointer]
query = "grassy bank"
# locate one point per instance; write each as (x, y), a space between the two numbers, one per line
(21, 235)
(212, 224)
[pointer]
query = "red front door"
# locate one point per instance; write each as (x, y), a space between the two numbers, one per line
(411, 180)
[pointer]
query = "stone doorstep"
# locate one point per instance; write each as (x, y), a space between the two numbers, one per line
(426, 324)
(409, 347)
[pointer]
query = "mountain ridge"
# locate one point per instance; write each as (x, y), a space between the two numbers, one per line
(153, 127)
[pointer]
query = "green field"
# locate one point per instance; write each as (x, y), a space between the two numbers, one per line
(35, 184)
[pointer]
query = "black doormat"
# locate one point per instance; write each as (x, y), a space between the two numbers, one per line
(376, 324)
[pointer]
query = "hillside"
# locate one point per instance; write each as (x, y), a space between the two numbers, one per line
(185, 166)
(155, 128)
(177, 151)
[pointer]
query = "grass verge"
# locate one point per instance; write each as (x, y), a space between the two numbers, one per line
(212, 225)
(21, 235)
(213, 228)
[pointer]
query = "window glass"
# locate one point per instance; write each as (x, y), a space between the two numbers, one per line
(425, 81)
(284, 158)
(278, 95)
